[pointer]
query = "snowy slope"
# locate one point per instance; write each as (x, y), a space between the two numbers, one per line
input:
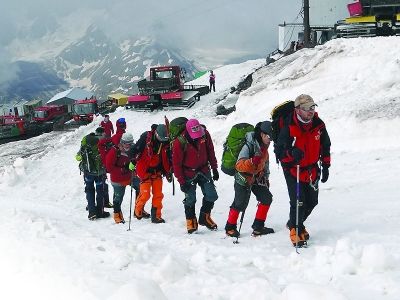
(47, 242)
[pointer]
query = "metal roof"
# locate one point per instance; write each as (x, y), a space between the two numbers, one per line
(70, 96)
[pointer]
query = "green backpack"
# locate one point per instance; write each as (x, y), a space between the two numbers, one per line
(232, 146)
(91, 159)
(176, 127)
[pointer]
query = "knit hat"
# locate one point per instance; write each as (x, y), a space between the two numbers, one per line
(266, 127)
(121, 123)
(161, 132)
(127, 138)
(194, 129)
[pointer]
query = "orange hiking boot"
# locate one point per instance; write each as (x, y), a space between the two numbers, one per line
(205, 220)
(297, 239)
(119, 218)
(191, 225)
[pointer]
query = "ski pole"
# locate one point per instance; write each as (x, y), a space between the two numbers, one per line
(297, 207)
(240, 227)
(130, 205)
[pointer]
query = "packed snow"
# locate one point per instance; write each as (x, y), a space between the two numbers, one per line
(50, 250)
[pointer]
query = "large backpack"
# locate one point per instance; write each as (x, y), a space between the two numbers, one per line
(176, 127)
(232, 146)
(278, 115)
(91, 159)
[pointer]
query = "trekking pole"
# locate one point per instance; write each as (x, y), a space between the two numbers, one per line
(130, 205)
(297, 207)
(240, 227)
(173, 185)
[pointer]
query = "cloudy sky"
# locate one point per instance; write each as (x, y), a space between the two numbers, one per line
(218, 31)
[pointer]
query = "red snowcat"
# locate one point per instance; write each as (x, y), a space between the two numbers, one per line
(165, 88)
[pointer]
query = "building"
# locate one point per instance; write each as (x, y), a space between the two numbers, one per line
(323, 16)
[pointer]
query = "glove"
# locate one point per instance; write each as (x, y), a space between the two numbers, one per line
(255, 160)
(131, 166)
(215, 176)
(169, 177)
(78, 157)
(185, 187)
(325, 174)
(297, 155)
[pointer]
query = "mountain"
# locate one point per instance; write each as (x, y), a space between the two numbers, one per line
(97, 63)
(94, 62)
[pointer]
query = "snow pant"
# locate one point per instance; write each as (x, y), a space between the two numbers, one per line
(212, 86)
(308, 197)
(207, 188)
(119, 192)
(153, 185)
(94, 196)
(241, 201)
(105, 191)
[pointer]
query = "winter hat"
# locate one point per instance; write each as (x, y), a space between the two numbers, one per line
(121, 123)
(194, 129)
(161, 133)
(99, 131)
(266, 128)
(127, 138)
(304, 101)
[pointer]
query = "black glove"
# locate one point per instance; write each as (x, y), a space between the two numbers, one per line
(215, 176)
(325, 174)
(185, 187)
(169, 177)
(297, 155)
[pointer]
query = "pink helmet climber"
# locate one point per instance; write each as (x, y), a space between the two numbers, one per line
(194, 129)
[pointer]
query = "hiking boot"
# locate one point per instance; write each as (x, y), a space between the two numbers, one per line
(306, 234)
(145, 214)
(138, 214)
(108, 204)
(157, 220)
(231, 230)
(191, 225)
(301, 241)
(92, 216)
(205, 220)
(262, 231)
(104, 214)
(119, 218)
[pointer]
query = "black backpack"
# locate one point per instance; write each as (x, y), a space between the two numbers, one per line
(278, 115)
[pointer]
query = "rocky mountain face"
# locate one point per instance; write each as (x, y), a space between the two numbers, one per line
(102, 66)
(96, 63)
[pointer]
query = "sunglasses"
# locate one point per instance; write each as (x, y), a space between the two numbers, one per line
(196, 128)
(311, 108)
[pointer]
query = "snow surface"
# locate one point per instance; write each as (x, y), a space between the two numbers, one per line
(49, 250)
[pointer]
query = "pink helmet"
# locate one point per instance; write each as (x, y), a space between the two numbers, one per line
(194, 129)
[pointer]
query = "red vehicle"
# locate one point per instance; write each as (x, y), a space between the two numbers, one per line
(11, 127)
(48, 113)
(165, 88)
(85, 110)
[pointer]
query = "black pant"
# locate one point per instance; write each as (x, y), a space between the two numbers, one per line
(212, 86)
(307, 195)
(243, 193)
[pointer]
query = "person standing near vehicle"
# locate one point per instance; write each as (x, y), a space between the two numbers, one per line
(119, 165)
(108, 126)
(303, 141)
(212, 81)
(252, 176)
(192, 155)
(152, 164)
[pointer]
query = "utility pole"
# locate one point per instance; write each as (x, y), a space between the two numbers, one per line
(306, 22)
